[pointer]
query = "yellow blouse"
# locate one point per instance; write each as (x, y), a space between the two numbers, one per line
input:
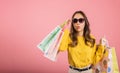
(80, 55)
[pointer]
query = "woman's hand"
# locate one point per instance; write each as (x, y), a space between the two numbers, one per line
(66, 24)
(104, 42)
(68, 21)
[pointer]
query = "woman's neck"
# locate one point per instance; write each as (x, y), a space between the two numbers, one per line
(80, 33)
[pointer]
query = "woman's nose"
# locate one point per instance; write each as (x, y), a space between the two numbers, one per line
(78, 23)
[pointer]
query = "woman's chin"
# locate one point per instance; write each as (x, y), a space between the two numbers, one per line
(78, 30)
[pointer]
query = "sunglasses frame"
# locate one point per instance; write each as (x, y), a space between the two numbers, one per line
(81, 20)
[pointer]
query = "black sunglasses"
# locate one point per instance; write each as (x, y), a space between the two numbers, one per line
(81, 20)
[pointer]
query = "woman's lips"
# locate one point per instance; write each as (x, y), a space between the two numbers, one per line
(78, 27)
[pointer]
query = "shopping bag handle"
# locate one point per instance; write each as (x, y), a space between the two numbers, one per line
(66, 23)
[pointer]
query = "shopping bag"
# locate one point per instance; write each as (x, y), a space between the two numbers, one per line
(108, 64)
(52, 51)
(102, 66)
(50, 38)
(46, 42)
(114, 61)
(104, 61)
(49, 45)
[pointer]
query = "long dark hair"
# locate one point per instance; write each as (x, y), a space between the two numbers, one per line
(86, 33)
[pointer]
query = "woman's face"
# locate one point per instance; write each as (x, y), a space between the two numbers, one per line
(78, 22)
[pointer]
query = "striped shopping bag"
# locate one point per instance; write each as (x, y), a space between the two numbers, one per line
(52, 51)
(49, 45)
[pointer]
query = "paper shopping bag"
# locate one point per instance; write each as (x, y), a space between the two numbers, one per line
(52, 51)
(102, 66)
(46, 42)
(50, 38)
(114, 61)
(108, 64)
(49, 45)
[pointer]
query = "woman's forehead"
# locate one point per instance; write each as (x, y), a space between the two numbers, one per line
(78, 15)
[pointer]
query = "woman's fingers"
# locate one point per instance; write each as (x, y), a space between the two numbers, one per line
(68, 21)
(104, 42)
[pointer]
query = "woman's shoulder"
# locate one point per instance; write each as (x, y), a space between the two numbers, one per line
(66, 31)
(67, 34)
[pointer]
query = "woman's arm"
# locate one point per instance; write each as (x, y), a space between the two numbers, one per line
(99, 50)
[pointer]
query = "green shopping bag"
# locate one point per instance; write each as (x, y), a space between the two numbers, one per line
(53, 49)
(50, 44)
(46, 42)
(50, 38)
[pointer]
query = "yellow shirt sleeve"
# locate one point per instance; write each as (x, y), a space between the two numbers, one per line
(98, 53)
(64, 41)
(106, 52)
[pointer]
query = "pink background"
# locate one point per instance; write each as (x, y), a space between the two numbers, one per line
(24, 23)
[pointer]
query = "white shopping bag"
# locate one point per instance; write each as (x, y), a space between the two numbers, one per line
(52, 51)
(49, 45)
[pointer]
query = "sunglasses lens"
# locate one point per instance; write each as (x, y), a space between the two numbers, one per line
(81, 20)
(75, 20)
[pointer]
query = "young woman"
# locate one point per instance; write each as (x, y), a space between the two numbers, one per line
(83, 53)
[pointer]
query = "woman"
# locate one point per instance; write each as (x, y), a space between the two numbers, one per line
(83, 53)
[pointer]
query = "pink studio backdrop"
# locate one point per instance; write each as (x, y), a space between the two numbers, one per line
(24, 23)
